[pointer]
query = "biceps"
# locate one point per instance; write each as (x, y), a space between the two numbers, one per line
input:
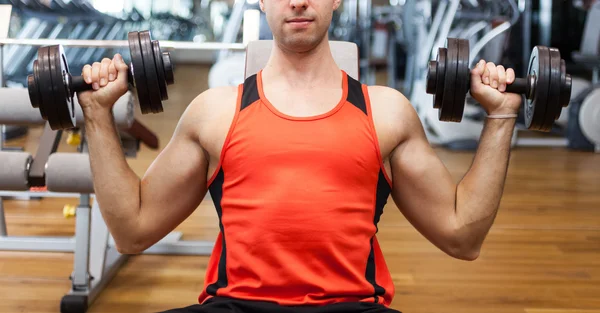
(424, 190)
(173, 187)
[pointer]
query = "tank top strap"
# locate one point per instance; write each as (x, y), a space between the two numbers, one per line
(356, 95)
(249, 92)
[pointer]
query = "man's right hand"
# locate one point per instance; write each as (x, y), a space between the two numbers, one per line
(109, 81)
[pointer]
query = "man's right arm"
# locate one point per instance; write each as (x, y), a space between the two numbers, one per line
(139, 212)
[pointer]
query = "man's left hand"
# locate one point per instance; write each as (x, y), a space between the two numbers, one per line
(488, 87)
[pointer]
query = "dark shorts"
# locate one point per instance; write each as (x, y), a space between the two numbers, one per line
(228, 305)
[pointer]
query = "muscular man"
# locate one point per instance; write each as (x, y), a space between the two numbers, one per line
(299, 161)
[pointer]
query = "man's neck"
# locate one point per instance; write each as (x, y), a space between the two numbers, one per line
(307, 69)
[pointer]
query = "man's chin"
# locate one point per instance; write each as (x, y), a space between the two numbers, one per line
(300, 42)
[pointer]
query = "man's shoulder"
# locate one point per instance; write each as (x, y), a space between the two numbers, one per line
(215, 100)
(389, 102)
(383, 94)
(211, 109)
(392, 112)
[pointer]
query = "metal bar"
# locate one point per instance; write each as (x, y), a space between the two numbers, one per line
(486, 39)
(542, 142)
(477, 16)
(114, 261)
(446, 25)
(85, 43)
(364, 19)
(182, 247)
(429, 41)
(113, 264)
(526, 36)
(36, 194)
(233, 26)
(172, 237)
(99, 243)
(48, 144)
(545, 22)
(39, 244)
(82, 251)
(5, 13)
(172, 244)
(1, 66)
(3, 232)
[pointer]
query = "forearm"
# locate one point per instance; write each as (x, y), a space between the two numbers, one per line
(117, 187)
(479, 192)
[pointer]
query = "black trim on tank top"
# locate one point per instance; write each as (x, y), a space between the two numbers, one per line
(383, 192)
(250, 93)
(216, 193)
(356, 95)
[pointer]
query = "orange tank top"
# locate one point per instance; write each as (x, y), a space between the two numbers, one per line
(298, 201)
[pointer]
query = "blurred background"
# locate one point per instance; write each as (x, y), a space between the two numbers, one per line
(396, 39)
(542, 255)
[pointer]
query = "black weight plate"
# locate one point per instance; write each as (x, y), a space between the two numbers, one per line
(565, 87)
(431, 79)
(446, 111)
(462, 80)
(63, 97)
(440, 74)
(57, 86)
(542, 86)
(540, 97)
(160, 70)
(168, 66)
(139, 74)
(45, 87)
(150, 68)
(538, 67)
(70, 93)
(36, 78)
(33, 87)
(553, 106)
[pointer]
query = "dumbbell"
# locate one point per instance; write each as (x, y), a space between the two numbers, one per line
(547, 87)
(52, 87)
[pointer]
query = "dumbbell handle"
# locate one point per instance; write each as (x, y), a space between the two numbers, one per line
(78, 84)
(520, 86)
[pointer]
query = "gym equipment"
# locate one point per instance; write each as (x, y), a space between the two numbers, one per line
(69, 172)
(18, 111)
(345, 55)
(583, 128)
(14, 166)
(96, 260)
(52, 88)
(10, 132)
(547, 86)
(228, 70)
(589, 115)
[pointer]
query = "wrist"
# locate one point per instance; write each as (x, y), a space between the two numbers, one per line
(97, 116)
(500, 125)
(503, 111)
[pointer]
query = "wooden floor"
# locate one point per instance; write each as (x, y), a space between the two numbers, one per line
(541, 256)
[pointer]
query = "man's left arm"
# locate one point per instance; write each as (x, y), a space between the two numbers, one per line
(455, 217)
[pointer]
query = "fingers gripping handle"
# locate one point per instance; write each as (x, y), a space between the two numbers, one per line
(78, 84)
(521, 86)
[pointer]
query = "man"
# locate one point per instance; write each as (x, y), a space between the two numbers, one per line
(299, 161)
